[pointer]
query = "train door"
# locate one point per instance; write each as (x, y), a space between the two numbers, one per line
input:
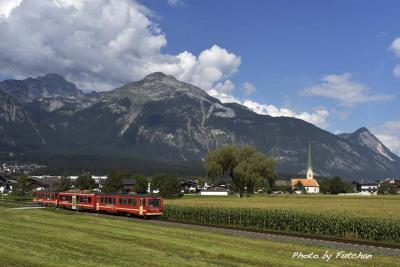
(142, 201)
(74, 202)
(97, 203)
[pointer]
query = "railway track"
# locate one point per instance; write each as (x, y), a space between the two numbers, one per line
(328, 242)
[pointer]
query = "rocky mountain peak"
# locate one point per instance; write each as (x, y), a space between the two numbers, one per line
(362, 130)
(365, 138)
(159, 86)
(156, 76)
(49, 85)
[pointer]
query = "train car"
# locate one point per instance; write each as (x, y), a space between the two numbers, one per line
(142, 205)
(45, 198)
(77, 201)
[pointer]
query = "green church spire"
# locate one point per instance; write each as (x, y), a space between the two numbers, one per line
(309, 162)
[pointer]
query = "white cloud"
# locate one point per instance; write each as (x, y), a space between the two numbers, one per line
(396, 71)
(106, 43)
(99, 45)
(175, 2)
(6, 6)
(342, 88)
(395, 46)
(248, 88)
(318, 117)
(389, 134)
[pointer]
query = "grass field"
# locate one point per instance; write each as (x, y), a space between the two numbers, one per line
(46, 237)
(364, 206)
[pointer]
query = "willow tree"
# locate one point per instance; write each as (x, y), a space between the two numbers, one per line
(246, 167)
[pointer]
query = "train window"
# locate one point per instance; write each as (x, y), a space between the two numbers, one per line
(134, 202)
(120, 201)
(130, 201)
(114, 200)
(89, 199)
(85, 199)
(102, 200)
(153, 202)
(124, 201)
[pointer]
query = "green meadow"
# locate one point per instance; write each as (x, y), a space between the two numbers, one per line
(49, 237)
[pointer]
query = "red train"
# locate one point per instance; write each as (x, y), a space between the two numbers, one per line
(141, 205)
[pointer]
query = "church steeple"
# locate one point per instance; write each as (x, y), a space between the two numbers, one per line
(310, 173)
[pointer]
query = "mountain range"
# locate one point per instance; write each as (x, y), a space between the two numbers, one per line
(165, 121)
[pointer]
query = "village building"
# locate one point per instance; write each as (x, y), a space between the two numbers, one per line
(5, 185)
(308, 185)
(214, 191)
(366, 187)
(190, 186)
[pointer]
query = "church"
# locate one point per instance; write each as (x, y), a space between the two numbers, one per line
(308, 185)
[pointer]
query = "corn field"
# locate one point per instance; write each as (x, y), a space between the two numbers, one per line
(385, 230)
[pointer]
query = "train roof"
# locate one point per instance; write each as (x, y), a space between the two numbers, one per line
(107, 194)
(126, 194)
(91, 193)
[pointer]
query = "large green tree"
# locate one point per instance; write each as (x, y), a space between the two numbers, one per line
(85, 182)
(141, 184)
(22, 186)
(114, 181)
(387, 188)
(337, 186)
(63, 184)
(334, 186)
(168, 185)
(246, 167)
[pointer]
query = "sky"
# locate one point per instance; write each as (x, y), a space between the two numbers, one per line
(335, 64)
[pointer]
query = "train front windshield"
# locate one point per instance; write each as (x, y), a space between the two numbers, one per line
(153, 203)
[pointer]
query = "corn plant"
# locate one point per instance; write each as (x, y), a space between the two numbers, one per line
(325, 224)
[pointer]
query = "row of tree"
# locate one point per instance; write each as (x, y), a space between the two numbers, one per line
(245, 169)
(167, 185)
(335, 186)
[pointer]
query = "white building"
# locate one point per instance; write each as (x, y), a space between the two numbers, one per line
(214, 191)
(310, 185)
